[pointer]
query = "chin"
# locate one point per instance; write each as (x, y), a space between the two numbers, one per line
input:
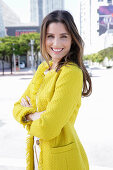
(57, 57)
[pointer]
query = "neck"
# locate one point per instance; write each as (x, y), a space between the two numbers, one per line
(54, 65)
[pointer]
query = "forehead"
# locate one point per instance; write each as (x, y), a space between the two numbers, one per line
(57, 28)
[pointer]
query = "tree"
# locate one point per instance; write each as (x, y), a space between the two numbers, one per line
(10, 47)
(108, 52)
(26, 38)
(2, 54)
(19, 46)
(100, 56)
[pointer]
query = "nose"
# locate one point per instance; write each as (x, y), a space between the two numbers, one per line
(56, 42)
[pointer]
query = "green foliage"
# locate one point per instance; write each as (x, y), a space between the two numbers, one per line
(99, 57)
(18, 45)
(25, 41)
(108, 52)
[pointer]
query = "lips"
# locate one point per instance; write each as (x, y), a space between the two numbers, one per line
(57, 49)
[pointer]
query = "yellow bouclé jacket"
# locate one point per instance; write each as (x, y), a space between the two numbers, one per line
(58, 94)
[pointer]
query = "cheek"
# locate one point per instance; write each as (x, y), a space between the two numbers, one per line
(66, 42)
(68, 45)
(48, 43)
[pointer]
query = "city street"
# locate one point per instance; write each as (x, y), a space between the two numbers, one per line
(94, 123)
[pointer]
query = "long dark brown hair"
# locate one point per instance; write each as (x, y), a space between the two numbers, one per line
(76, 51)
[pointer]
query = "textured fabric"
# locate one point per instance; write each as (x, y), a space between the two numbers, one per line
(59, 96)
(36, 147)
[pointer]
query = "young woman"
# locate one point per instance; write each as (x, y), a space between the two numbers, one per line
(49, 107)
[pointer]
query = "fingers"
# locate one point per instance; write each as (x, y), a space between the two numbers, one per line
(29, 117)
(29, 101)
(24, 103)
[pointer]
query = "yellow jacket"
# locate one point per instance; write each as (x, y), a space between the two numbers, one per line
(59, 95)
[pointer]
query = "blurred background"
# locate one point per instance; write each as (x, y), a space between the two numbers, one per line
(20, 56)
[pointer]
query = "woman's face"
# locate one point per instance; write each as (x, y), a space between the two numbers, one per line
(58, 41)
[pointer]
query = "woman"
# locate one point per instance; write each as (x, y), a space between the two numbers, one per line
(49, 107)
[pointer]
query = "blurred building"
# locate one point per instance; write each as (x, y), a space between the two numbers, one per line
(51, 5)
(2, 28)
(105, 2)
(85, 21)
(36, 11)
(105, 16)
(105, 21)
(40, 11)
(40, 8)
(88, 23)
(96, 18)
(19, 30)
(7, 18)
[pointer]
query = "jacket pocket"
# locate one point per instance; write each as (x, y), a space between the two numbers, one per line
(58, 160)
(62, 148)
(68, 157)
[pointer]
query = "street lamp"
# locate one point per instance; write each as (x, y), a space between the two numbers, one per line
(32, 53)
(2, 62)
(14, 58)
(0, 41)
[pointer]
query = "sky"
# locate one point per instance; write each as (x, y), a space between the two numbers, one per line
(22, 9)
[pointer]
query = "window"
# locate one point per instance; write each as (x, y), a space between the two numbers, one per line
(109, 1)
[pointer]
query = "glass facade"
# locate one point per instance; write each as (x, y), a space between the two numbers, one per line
(34, 11)
(2, 28)
(51, 5)
(7, 18)
(40, 8)
(109, 1)
(40, 11)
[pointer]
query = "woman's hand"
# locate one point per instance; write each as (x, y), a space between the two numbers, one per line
(32, 116)
(26, 103)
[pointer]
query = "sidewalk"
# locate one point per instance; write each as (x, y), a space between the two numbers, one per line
(26, 71)
(99, 168)
(12, 164)
(20, 164)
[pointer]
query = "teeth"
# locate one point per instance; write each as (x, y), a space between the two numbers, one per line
(57, 49)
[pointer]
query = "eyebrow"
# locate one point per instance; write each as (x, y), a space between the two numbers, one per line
(60, 34)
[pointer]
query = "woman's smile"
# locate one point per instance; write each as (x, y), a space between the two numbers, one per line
(56, 50)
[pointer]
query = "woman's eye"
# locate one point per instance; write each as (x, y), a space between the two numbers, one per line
(64, 37)
(50, 36)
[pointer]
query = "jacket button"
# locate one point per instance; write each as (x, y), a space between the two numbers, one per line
(37, 142)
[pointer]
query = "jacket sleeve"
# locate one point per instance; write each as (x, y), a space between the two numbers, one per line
(20, 111)
(67, 96)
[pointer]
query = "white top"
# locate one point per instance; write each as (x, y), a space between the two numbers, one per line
(46, 71)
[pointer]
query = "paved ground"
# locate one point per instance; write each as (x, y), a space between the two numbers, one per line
(25, 71)
(94, 122)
